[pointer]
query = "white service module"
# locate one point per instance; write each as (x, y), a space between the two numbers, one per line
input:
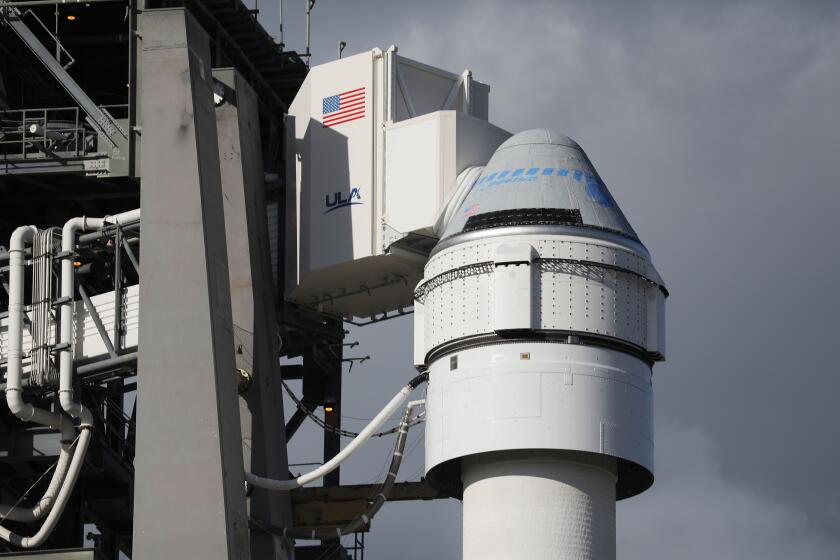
(538, 318)
(376, 143)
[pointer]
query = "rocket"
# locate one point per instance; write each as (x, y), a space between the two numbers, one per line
(540, 316)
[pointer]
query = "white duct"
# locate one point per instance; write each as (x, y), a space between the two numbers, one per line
(537, 508)
(14, 398)
(68, 247)
(73, 471)
(75, 409)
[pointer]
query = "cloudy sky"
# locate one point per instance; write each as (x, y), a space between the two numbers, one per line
(716, 126)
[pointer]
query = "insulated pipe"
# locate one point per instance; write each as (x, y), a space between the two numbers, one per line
(68, 247)
(14, 399)
(332, 464)
(74, 409)
(42, 506)
(376, 503)
(54, 135)
(14, 355)
(65, 357)
(73, 471)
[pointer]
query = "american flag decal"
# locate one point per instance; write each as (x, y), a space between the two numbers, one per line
(344, 107)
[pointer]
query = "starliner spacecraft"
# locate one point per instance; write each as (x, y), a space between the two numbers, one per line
(538, 313)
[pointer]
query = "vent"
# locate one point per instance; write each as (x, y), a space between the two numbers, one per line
(524, 217)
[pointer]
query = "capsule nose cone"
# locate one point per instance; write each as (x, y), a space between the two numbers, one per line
(539, 177)
(539, 136)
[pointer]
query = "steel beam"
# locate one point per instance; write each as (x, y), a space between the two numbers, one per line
(131, 256)
(332, 410)
(294, 423)
(335, 506)
(97, 117)
(118, 290)
(100, 327)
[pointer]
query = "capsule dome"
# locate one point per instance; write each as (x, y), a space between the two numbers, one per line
(539, 178)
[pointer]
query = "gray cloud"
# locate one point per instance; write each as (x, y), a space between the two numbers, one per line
(693, 512)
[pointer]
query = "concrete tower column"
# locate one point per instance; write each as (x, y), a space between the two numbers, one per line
(189, 499)
(252, 302)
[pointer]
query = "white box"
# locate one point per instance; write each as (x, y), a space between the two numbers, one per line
(423, 157)
(374, 145)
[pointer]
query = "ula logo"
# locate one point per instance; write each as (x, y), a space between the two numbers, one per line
(338, 200)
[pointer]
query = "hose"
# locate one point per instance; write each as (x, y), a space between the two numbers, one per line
(42, 506)
(333, 430)
(376, 504)
(61, 500)
(358, 441)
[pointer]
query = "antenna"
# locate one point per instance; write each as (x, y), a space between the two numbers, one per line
(309, 5)
(341, 47)
(280, 21)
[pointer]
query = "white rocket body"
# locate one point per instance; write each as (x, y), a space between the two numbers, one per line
(539, 318)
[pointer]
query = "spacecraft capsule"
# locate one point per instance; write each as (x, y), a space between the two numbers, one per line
(539, 318)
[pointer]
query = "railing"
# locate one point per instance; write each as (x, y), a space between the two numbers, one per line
(54, 133)
(27, 134)
(118, 429)
(59, 48)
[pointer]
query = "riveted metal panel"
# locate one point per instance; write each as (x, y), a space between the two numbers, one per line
(580, 285)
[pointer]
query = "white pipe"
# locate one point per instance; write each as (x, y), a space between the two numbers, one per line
(124, 218)
(65, 357)
(25, 411)
(14, 354)
(377, 502)
(75, 409)
(42, 506)
(61, 500)
(68, 247)
(332, 464)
